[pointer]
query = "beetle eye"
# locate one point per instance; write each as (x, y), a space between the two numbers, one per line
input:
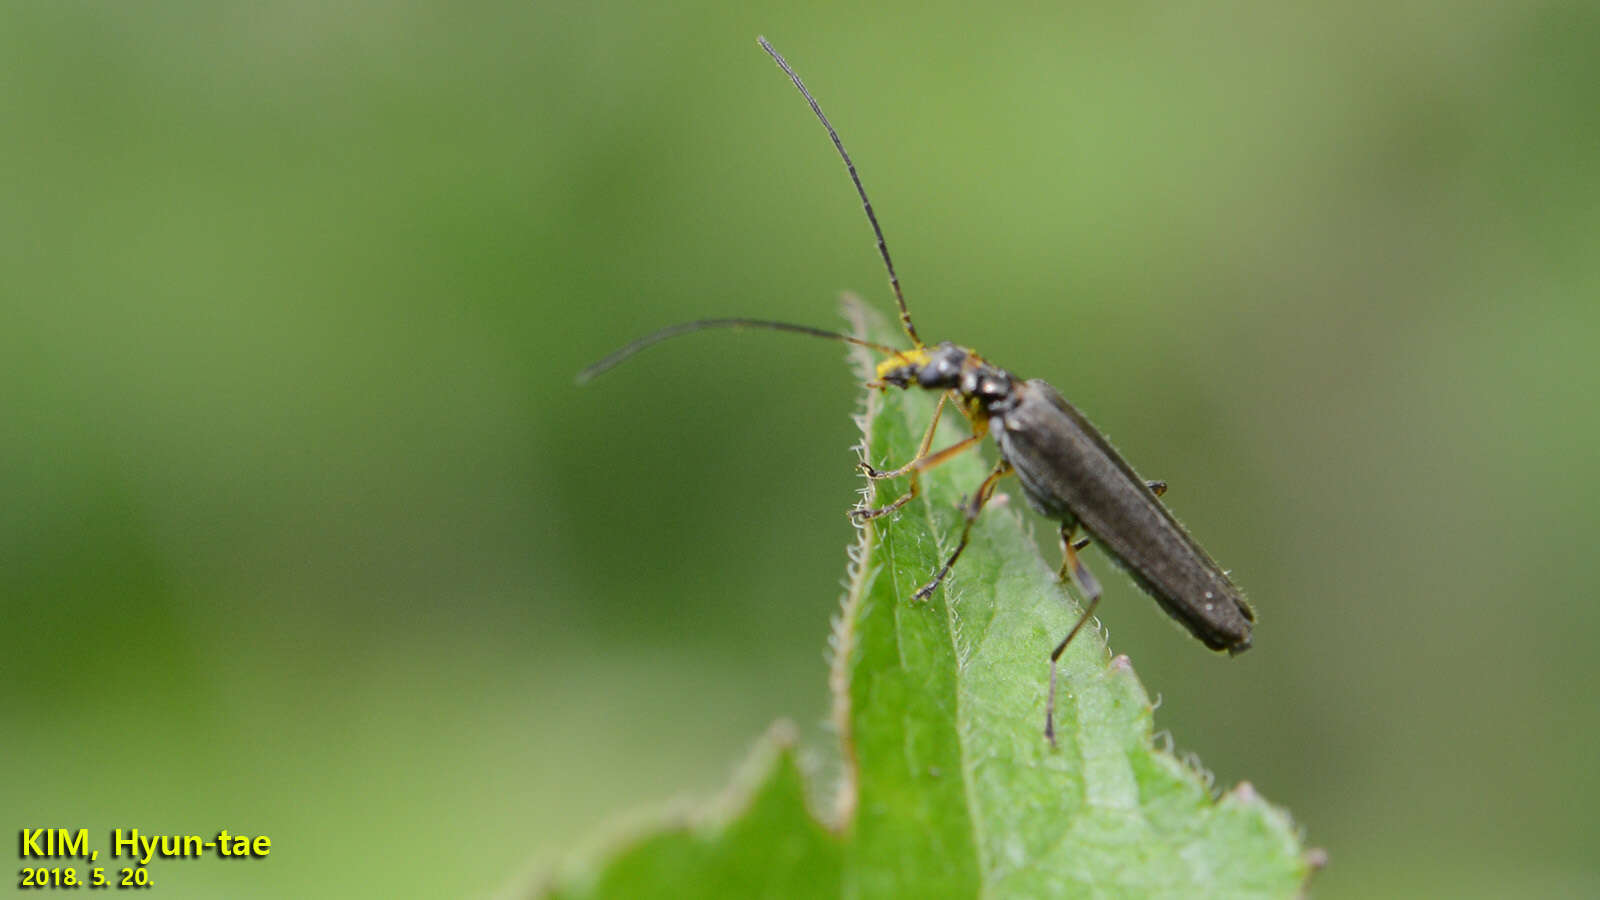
(938, 373)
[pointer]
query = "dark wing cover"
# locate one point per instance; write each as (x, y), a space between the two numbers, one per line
(1071, 473)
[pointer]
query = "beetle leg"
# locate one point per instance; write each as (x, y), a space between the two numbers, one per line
(974, 507)
(922, 451)
(1156, 487)
(917, 467)
(1090, 587)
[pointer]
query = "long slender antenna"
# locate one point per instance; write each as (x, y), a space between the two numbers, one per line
(883, 248)
(673, 331)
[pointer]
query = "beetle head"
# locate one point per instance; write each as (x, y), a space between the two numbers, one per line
(943, 369)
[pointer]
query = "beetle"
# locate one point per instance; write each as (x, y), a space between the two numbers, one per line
(1069, 472)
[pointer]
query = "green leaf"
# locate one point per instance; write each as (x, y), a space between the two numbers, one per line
(949, 788)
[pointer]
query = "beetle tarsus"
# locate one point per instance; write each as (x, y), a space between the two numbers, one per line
(862, 514)
(973, 508)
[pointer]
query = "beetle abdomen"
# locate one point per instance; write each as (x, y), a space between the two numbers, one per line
(1070, 473)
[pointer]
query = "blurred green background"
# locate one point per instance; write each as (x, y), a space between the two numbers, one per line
(305, 531)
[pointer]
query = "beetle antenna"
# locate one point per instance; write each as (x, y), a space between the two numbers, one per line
(673, 331)
(883, 248)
